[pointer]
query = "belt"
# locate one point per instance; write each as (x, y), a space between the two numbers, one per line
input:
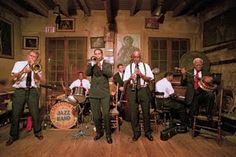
(25, 88)
(140, 86)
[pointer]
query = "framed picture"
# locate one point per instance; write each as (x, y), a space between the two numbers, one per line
(151, 23)
(31, 42)
(97, 42)
(66, 25)
(6, 39)
(220, 28)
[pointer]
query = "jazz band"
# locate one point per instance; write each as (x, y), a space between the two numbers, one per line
(199, 82)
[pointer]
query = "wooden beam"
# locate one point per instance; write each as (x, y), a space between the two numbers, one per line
(136, 7)
(182, 7)
(107, 6)
(13, 6)
(63, 6)
(111, 11)
(199, 6)
(72, 7)
(39, 6)
(85, 7)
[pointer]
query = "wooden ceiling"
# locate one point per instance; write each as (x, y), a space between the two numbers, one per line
(70, 7)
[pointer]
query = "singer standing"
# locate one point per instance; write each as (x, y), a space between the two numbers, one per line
(100, 71)
(25, 84)
(138, 75)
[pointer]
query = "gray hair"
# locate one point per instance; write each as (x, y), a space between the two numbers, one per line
(197, 59)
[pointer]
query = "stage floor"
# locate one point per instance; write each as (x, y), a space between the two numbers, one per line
(70, 143)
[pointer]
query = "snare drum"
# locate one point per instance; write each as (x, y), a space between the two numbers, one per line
(79, 94)
(63, 115)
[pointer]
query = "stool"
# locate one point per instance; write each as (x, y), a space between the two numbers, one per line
(162, 110)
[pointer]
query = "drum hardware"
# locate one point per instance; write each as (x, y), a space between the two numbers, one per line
(83, 131)
(79, 94)
(50, 97)
(49, 86)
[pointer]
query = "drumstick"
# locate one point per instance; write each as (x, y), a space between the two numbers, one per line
(63, 86)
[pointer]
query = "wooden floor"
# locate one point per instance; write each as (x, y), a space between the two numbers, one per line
(69, 143)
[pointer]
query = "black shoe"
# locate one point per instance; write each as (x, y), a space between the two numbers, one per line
(98, 136)
(10, 141)
(196, 133)
(149, 137)
(39, 137)
(109, 139)
(136, 137)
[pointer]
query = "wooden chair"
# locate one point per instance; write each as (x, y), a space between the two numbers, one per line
(201, 121)
(153, 119)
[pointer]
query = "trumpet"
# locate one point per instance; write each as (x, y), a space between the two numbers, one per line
(93, 60)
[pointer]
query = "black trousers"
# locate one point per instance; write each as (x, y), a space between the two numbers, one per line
(202, 98)
(20, 97)
(140, 96)
(98, 105)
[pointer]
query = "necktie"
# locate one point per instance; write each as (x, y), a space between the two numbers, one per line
(81, 83)
(138, 77)
(28, 79)
(196, 80)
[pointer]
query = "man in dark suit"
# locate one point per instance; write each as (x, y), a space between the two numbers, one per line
(100, 71)
(118, 80)
(195, 96)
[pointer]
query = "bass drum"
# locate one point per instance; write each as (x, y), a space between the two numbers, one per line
(63, 115)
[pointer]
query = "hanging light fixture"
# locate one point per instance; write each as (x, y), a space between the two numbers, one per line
(57, 13)
(159, 12)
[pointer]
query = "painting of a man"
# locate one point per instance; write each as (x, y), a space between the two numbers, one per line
(127, 48)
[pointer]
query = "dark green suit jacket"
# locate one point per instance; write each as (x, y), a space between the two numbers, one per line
(99, 80)
(118, 79)
(189, 82)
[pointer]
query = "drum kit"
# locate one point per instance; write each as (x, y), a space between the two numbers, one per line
(65, 112)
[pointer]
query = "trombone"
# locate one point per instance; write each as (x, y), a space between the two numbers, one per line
(35, 68)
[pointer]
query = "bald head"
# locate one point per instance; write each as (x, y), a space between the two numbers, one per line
(198, 64)
(136, 56)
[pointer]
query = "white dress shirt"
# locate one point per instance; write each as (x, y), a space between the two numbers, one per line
(149, 73)
(77, 83)
(199, 73)
(19, 66)
(164, 86)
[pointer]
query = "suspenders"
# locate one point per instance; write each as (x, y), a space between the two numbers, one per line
(144, 69)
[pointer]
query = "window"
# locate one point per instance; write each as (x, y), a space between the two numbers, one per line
(64, 58)
(165, 53)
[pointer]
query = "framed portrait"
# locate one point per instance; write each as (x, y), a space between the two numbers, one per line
(6, 39)
(126, 45)
(66, 25)
(97, 42)
(30, 42)
(151, 23)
